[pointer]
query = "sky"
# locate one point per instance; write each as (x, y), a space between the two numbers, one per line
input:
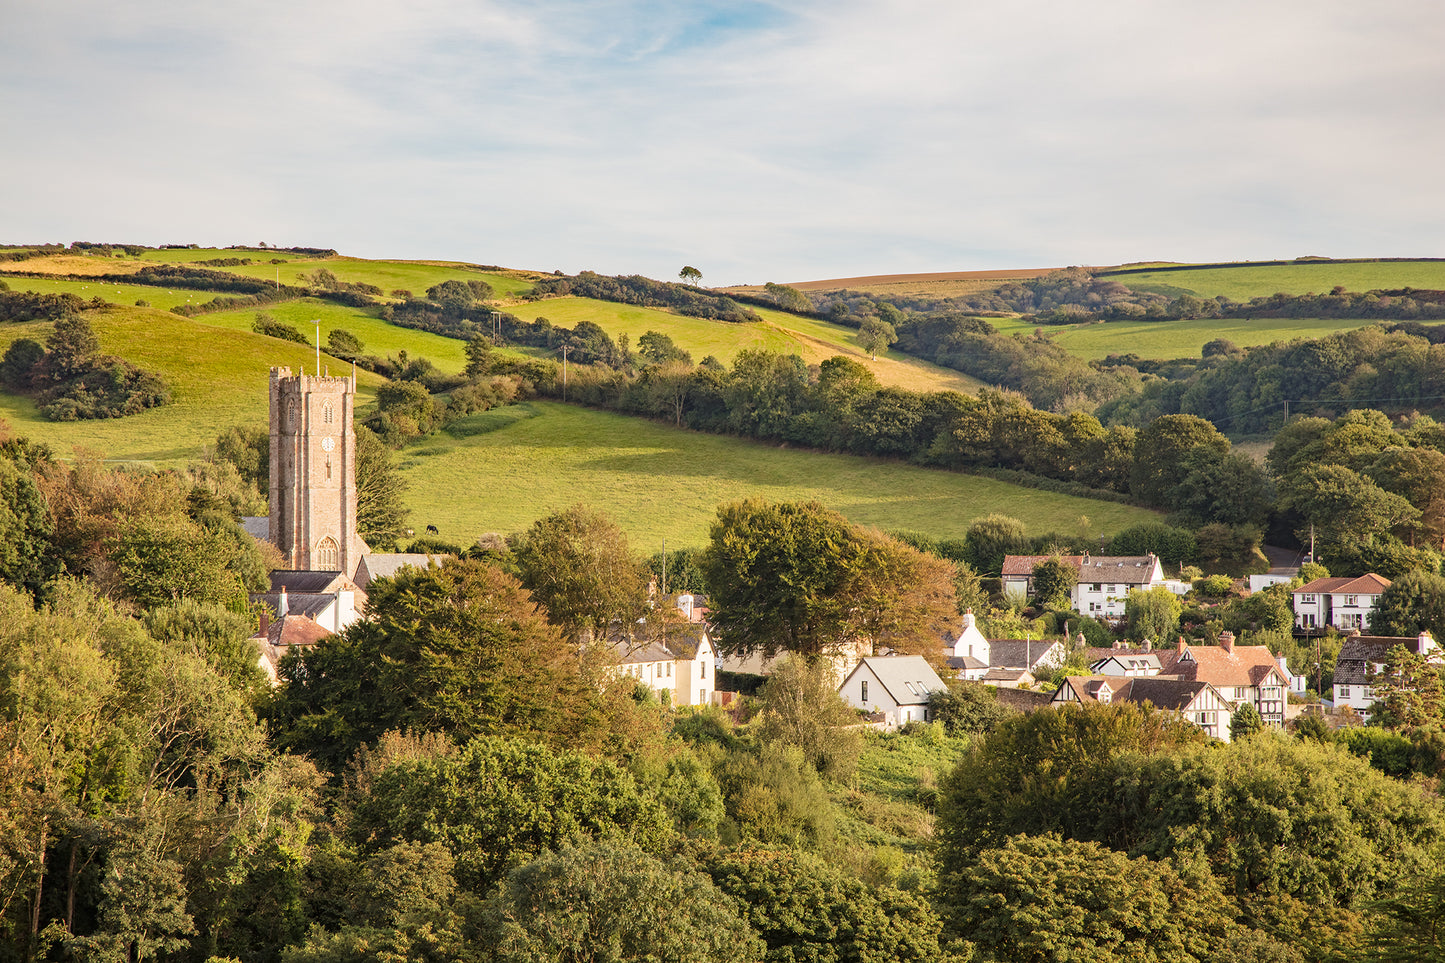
(787, 141)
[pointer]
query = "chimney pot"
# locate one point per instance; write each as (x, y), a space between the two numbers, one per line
(1226, 641)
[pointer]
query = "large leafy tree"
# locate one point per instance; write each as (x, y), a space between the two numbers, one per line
(1152, 613)
(380, 512)
(457, 648)
(578, 565)
(1054, 579)
(499, 801)
(1162, 447)
(604, 902)
(797, 577)
(807, 909)
(27, 557)
(1037, 899)
(1413, 602)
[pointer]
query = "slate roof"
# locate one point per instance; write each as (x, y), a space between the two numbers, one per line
(387, 564)
(1370, 584)
(1016, 676)
(300, 580)
(1136, 662)
(968, 662)
(307, 604)
(1120, 569)
(257, 526)
(1018, 653)
(906, 678)
(1360, 652)
(1025, 700)
(1174, 695)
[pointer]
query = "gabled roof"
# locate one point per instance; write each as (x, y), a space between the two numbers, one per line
(307, 604)
(1243, 665)
(967, 662)
(1370, 584)
(1120, 569)
(1173, 694)
(387, 564)
(908, 679)
(295, 630)
(1360, 652)
(1141, 662)
(300, 580)
(1024, 564)
(1094, 652)
(1008, 675)
(634, 652)
(1019, 653)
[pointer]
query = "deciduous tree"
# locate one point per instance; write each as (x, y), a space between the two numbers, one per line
(577, 564)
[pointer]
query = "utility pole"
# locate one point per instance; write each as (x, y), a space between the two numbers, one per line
(664, 568)
(565, 349)
(317, 322)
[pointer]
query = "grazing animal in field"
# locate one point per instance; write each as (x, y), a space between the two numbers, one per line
(432, 530)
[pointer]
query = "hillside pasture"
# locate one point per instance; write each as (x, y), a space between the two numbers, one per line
(378, 337)
(118, 294)
(1244, 281)
(413, 276)
(218, 378)
(1186, 339)
(814, 341)
(500, 470)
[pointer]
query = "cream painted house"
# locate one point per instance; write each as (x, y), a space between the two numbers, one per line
(897, 686)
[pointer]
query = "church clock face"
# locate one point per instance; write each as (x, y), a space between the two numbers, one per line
(327, 444)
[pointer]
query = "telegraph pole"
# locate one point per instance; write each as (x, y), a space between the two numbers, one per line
(565, 349)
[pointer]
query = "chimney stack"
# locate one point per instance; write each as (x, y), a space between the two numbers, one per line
(283, 605)
(1182, 646)
(1226, 640)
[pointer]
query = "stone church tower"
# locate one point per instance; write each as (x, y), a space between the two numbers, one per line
(313, 472)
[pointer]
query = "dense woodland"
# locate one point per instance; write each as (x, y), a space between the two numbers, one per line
(460, 776)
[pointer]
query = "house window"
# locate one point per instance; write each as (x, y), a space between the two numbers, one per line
(1238, 693)
(1344, 692)
(326, 555)
(1352, 600)
(702, 670)
(1111, 590)
(1307, 599)
(1204, 718)
(863, 690)
(1097, 587)
(669, 670)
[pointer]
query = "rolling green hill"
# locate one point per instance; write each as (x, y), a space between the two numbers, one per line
(1244, 281)
(499, 470)
(217, 377)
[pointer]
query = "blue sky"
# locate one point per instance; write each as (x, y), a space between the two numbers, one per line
(783, 141)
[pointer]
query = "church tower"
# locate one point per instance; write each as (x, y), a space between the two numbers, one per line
(313, 472)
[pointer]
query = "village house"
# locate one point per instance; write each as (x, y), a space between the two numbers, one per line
(1241, 673)
(1362, 656)
(969, 653)
(1192, 700)
(1341, 603)
(1103, 583)
(1031, 655)
(896, 686)
(677, 660)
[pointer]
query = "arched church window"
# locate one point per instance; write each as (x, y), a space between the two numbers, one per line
(328, 412)
(327, 557)
(293, 413)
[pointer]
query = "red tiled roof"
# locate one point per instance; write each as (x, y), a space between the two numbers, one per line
(1245, 665)
(1024, 564)
(1370, 584)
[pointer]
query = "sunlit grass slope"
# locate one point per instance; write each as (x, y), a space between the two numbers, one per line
(378, 337)
(500, 470)
(1185, 339)
(815, 341)
(218, 378)
(1244, 281)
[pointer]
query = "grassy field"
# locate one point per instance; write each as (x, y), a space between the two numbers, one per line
(218, 378)
(414, 276)
(379, 337)
(500, 470)
(1185, 339)
(123, 294)
(779, 331)
(1244, 281)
